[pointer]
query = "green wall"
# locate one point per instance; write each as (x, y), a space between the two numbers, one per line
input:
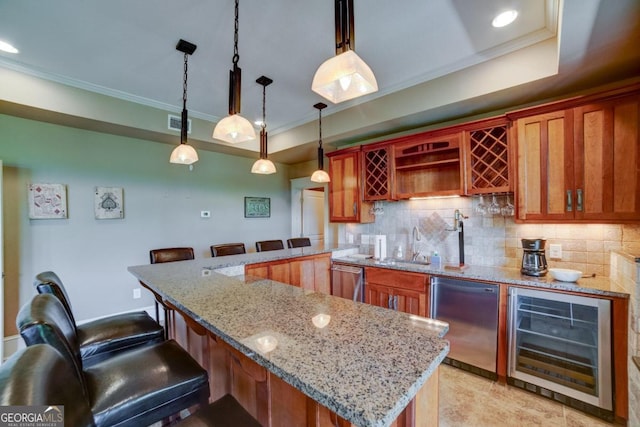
(162, 204)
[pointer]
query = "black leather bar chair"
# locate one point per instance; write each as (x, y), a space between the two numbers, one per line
(269, 245)
(298, 242)
(100, 339)
(228, 249)
(157, 256)
(134, 388)
(40, 376)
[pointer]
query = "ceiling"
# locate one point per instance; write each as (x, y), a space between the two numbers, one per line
(432, 59)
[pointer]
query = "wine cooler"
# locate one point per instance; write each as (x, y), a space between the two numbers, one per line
(560, 347)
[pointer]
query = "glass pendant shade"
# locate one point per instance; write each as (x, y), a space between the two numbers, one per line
(343, 77)
(320, 176)
(234, 129)
(263, 167)
(183, 154)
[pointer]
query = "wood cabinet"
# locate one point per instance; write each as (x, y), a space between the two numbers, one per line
(429, 165)
(544, 147)
(308, 272)
(397, 290)
(377, 165)
(486, 148)
(345, 194)
(607, 160)
(580, 163)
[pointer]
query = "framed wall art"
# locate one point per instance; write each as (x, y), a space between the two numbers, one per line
(108, 203)
(257, 207)
(47, 201)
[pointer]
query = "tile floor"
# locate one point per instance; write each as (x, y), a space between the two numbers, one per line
(467, 400)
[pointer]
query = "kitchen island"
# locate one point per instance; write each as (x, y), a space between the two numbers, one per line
(358, 364)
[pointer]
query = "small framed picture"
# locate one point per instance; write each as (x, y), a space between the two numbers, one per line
(47, 201)
(257, 207)
(108, 203)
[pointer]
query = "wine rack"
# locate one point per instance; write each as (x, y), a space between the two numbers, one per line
(377, 174)
(488, 161)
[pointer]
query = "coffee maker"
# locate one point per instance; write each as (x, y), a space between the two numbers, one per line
(534, 262)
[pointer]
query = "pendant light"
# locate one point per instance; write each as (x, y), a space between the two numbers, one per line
(184, 154)
(346, 75)
(263, 165)
(234, 128)
(320, 175)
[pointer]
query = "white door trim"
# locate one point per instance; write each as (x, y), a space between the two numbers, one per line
(297, 185)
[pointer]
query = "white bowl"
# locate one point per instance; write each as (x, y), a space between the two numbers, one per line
(565, 274)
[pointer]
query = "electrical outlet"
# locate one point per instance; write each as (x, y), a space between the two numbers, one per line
(205, 214)
(349, 238)
(136, 293)
(555, 251)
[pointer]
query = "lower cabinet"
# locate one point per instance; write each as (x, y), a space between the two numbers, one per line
(308, 272)
(397, 290)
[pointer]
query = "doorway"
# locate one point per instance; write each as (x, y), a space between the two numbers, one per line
(310, 212)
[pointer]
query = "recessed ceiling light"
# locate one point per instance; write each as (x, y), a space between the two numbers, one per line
(504, 18)
(6, 47)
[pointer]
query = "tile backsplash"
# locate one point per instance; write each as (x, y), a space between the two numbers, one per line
(491, 240)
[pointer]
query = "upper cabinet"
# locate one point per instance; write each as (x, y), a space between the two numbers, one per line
(487, 155)
(345, 195)
(428, 165)
(580, 163)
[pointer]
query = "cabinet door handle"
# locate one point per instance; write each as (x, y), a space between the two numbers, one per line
(389, 304)
(579, 200)
(355, 208)
(395, 303)
(569, 201)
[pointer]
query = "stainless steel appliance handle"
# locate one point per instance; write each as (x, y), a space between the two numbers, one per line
(358, 288)
(346, 269)
(471, 289)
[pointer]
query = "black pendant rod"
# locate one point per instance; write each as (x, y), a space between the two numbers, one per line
(188, 49)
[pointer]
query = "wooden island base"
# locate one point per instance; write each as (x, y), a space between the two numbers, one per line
(269, 399)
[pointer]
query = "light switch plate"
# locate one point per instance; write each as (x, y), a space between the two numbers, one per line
(555, 251)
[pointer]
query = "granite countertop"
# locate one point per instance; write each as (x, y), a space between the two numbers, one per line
(366, 364)
(512, 276)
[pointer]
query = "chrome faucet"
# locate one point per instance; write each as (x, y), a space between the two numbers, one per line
(415, 238)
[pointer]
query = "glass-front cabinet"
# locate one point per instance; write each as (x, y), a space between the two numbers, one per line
(560, 343)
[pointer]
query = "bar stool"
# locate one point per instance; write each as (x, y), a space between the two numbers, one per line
(228, 249)
(134, 388)
(157, 256)
(298, 242)
(269, 245)
(39, 375)
(102, 338)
